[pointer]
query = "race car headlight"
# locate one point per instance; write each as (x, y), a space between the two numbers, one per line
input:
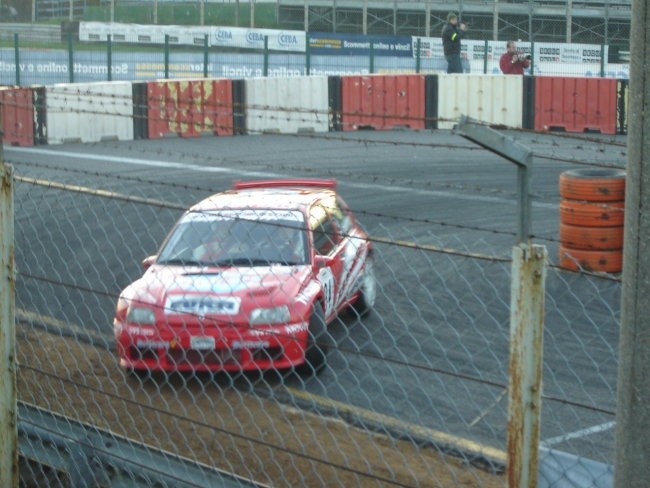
(140, 315)
(273, 315)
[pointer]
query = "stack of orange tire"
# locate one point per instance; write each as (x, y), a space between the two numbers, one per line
(591, 220)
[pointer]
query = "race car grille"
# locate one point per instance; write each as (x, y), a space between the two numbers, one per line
(143, 353)
(195, 357)
(267, 354)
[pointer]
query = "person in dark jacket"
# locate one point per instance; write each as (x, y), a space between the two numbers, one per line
(452, 33)
(512, 62)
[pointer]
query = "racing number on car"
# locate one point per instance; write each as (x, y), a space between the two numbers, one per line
(326, 279)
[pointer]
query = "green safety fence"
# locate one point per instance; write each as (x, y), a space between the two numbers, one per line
(103, 55)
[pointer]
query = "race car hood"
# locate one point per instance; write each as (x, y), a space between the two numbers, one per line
(225, 292)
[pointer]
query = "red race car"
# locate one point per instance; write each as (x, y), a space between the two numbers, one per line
(248, 279)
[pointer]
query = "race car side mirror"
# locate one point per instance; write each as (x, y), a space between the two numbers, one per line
(323, 261)
(148, 261)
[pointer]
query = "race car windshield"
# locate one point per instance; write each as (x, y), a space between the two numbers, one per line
(236, 239)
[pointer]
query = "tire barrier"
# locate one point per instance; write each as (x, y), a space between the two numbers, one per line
(591, 219)
(610, 261)
(575, 104)
(593, 185)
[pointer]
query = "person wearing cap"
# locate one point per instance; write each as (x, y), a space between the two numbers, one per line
(452, 33)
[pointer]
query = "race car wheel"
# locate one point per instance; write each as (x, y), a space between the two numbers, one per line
(368, 292)
(317, 343)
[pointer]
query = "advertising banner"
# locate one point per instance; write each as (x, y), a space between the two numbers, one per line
(327, 43)
(235, 37)
(240, 37)
(473, 50)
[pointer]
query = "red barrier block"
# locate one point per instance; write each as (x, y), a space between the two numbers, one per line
(189, 108)
(575, 104)
(382, 101)
(17, 116)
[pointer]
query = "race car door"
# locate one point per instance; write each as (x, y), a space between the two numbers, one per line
(328, 243)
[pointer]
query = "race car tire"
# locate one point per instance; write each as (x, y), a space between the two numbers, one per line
(318, 341)
(593, 184)
(368, 290)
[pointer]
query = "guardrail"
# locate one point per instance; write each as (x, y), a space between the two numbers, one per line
(87, 456)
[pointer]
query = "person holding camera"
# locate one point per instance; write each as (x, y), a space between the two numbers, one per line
(513, 62)
(452, 33)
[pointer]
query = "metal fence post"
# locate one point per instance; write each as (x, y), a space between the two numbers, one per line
(418, 46)
(602, 60)
(266, 55)
(70, 59)
(109, 57)
(166, 56)
(307, 55)
(372, 57)
(632, 469)
(532, 58)
(526, 314)
(205, 56)
(17, 59)
(525, 367)
(485, 55)
(8, 404)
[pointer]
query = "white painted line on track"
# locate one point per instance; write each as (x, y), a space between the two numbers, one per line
(578, 434)
(266, 174)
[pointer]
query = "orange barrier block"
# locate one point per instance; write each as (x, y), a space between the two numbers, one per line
(189, 108)
(17, 116)
(575, 104)
(382, 102)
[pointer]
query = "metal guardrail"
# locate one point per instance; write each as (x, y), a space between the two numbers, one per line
(83, 456)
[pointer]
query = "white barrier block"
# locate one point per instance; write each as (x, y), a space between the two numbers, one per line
(495, 99)
(89, 112)
(287, 105)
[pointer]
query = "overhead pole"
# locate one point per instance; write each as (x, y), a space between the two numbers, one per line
(632, 469)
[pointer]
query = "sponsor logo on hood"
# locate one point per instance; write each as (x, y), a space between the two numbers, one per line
(201, 305)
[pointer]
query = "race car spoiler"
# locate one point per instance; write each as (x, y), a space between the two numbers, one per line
(309, 182)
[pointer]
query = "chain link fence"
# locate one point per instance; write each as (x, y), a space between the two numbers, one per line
(414, 394)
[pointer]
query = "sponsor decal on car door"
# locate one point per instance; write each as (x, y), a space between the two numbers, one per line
(352, 258)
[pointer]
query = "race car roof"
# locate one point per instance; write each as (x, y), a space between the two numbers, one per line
(268, 194)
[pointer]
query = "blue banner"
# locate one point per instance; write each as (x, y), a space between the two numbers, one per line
(328, 43)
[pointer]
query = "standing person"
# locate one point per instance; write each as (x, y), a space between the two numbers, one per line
(512, 62)
(452, 33)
